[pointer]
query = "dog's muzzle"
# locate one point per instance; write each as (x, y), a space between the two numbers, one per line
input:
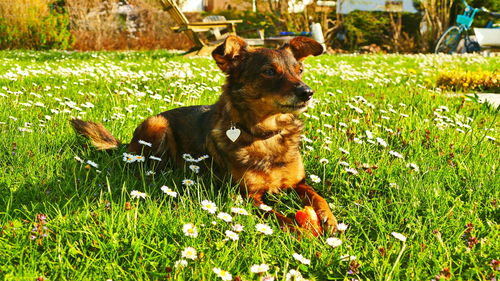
(303, 92)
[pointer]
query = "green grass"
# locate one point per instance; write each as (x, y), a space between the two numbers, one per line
(94, 230)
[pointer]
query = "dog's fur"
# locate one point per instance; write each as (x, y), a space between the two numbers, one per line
(262, 97)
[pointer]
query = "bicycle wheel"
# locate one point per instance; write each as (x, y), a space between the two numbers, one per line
(448, 42)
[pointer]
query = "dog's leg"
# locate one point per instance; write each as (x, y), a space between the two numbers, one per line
(312, 198)
(285, 223)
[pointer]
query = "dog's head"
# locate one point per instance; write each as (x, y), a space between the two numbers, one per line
(269, 79)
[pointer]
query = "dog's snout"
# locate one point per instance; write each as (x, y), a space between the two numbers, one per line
(303, 92)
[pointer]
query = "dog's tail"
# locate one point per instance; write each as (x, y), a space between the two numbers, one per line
(101, 138)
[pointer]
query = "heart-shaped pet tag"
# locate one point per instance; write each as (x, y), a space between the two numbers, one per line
(233, 133)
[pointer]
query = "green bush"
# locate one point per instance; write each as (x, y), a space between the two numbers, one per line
(50, 31)
(364, 28)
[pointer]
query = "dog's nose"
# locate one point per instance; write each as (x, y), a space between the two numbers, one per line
(303, 92)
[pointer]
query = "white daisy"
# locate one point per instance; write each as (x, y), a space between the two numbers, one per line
(209, 206)
(293, 275)
(189, 253)
(342, 227)
(315, 179)
(139, 158)
(301, 258)
(145, 143)
(239, 211)
(343, 150)
(194, 168)
(264, 207)
(333, 242)
(135, 194)
(92, 163)
(224, 275)
(232, 235)
(168, 191)
(180, 263)
(225, 217)
(351, 171)
(399, 236)
(395, 154)
(188, 182)
(154, 158)
(190, 230)
(128, 158)
(238, 227)
(264, 228)
(259, 268)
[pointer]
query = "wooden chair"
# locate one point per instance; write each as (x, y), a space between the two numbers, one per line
(193, 29)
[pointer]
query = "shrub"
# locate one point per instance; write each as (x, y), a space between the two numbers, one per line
(469, 80)
(34, 24)
(364, 28)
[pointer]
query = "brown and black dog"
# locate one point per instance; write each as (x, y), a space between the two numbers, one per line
(261, 99)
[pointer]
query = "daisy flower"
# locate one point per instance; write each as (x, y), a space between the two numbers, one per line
(264, 207)
(190, 230)
(301, 258)
(315, 179)
(239, 211)
(189, 253)
(382, 142)
(324, 161)
(154, 158)
(139, 158)
(209, 206)
(343, 150)
(351, 171)
(342, 227)
(293, 275)
(225, 217)
(232, 235)
(135, 194)
(145, 143)
(128, 158)
(343, 163)
(259, 268)
(490, 138)
(224, 275)
(92, 163)
(238, 227)
(399, 236)
(413, 166)
(395, 154)
(188, 182)
(264, 228)
(168, 191)
(194, 168)
(333, 242)
(187, 157)
(180, 263)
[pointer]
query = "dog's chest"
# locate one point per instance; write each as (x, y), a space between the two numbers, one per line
(275, 152)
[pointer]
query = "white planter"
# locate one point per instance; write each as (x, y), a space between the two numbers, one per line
(488, 37)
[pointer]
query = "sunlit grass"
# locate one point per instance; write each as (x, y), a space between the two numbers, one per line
(392, 153)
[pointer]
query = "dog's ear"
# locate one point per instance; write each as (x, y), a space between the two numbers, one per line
(302, 47)
(229, 53)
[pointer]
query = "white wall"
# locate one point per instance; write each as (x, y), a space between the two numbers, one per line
(192, 5)
(346, 6)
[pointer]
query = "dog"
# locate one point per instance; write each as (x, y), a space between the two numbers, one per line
(252, 132)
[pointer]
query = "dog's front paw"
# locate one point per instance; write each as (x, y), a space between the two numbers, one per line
(327, 218)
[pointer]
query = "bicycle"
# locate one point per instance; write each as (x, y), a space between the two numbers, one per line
(449, 40)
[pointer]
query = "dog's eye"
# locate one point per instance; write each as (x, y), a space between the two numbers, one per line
(270, 72)
(301, 70)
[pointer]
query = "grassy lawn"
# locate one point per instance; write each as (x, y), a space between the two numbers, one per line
(394, 154)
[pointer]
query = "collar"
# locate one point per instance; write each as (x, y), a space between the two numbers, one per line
(263, 136)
